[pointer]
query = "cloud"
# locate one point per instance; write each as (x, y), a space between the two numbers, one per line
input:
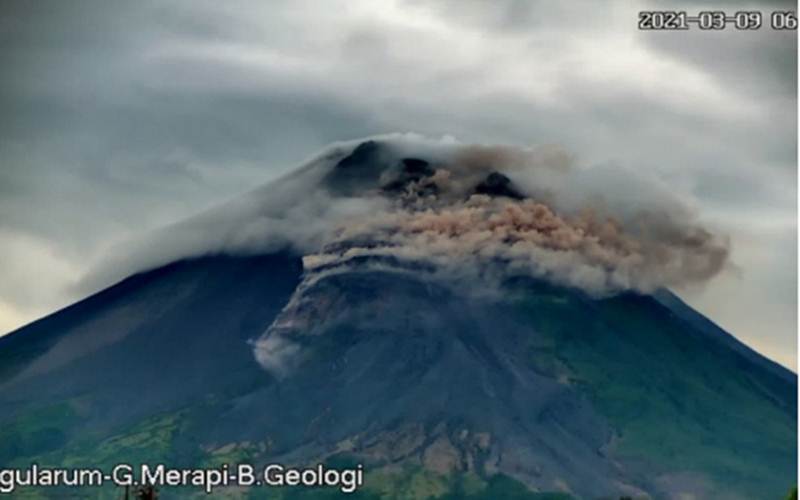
(122, 118)
(468, 209)
(27, 259)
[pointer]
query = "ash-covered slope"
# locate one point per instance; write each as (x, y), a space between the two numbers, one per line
(473, 347)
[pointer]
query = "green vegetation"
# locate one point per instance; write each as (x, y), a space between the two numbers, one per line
(153, 440)
(674, 404)
(38, 431)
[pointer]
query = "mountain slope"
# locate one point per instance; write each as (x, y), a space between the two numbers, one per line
(560, 391)
(467, 321)
(152, 343)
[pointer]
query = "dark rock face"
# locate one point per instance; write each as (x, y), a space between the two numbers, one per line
(497, 184)
(359, 170)
(417, 167)
(411, 170)
(373, 164)
(362, 155)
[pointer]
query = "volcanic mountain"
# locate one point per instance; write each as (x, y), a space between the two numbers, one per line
(460, 326)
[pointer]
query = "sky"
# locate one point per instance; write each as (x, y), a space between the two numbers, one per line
(117, 118)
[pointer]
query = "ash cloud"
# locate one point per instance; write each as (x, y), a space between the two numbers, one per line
(490, 239)
(467, 211)
(473, 216)
(490, 212)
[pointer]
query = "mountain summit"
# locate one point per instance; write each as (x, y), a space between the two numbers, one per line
(465, 321)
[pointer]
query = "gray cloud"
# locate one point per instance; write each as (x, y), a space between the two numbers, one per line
(603, 229)
(117, 118)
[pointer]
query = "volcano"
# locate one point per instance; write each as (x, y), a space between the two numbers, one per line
(375, 339)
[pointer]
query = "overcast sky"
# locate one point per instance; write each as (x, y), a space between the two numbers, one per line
(120, 117)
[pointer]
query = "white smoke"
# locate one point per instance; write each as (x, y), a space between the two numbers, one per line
(277, 354)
